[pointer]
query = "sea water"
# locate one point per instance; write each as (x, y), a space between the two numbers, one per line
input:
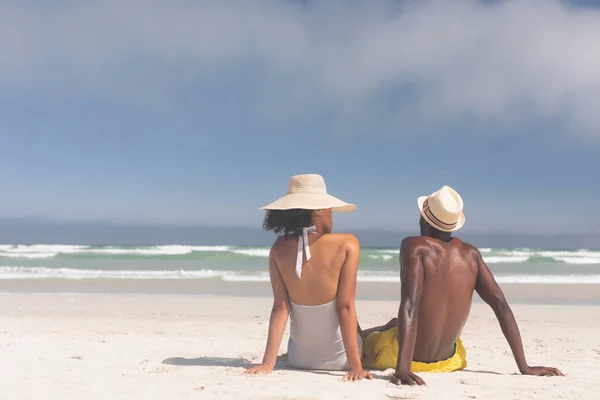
(250, 264)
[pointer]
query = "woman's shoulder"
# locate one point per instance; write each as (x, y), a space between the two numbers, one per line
(347, 239)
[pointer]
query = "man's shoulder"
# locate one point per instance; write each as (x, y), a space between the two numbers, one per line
(413, 242)
(467, 247)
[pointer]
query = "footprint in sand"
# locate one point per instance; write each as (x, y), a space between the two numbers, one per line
(159, 370)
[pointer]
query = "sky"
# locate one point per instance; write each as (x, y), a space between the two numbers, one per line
(198, 112)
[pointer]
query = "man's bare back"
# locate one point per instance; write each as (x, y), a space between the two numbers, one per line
(449, 278)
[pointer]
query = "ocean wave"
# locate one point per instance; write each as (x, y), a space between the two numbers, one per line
(27, 255)
(384, 257)
(188, 252)
(252, 252)
(390, 251)
(496, 260)
(77, 274)
(49, 251)
(246, 278)
(12, 273)
(579, 260)
(498, 256)
(549, 279)
(172, 250)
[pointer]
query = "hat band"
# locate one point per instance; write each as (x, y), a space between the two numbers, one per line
(434, 219)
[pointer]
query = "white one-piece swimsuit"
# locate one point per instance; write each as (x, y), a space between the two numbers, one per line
(315, 335)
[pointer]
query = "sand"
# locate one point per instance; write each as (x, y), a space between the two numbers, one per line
(516, 292)
(98, 346)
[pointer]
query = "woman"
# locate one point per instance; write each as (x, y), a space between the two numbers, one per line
(313, 276)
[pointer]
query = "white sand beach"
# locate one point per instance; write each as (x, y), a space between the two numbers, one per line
(93, 346)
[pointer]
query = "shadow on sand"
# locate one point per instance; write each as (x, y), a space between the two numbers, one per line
(208, 362)
(220, 362)
(484, 372)
(281, 364)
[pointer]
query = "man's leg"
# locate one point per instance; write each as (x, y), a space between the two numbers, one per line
(363, 334)
(391, 324)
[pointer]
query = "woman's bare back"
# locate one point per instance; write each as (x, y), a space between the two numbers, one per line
(321, 274)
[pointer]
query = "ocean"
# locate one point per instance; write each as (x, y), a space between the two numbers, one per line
(249, 264)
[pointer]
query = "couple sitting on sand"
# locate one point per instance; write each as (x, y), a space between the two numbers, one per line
(313, 275)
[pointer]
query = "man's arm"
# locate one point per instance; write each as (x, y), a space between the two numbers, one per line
(346, 310)
(411, 276)
(277, 322)
(489, 291)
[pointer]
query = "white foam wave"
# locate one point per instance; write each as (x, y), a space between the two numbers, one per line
(38, 250)
(41, 248)
(252, 252)
(587, 257)
(384, 257)
(495, 260)
(27, 255)
(48, 251)
(8, 273)
(550, 279)
(148, 251)
(210, 248)
(72, 273)
(579, 260)
(390, 251)
(246, 278)
(492, 256)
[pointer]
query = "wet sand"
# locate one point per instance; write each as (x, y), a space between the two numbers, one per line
(516, 293)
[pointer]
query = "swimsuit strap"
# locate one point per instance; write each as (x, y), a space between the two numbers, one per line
(303, 246)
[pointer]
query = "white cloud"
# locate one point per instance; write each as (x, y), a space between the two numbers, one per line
(510, 64)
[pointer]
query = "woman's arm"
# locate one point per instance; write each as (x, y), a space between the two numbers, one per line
(277, 322)
(347, 311)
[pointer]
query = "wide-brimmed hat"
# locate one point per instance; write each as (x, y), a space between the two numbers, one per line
(308, 192)
(443, 209)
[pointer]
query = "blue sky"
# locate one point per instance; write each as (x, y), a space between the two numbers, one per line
(193, 112)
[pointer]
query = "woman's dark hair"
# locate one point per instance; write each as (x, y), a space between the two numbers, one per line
(287, 222)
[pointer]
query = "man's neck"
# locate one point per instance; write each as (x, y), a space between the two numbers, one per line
(442, 237)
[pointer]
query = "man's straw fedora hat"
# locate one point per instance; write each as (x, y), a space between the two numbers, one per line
(443, 209)
(308, 192)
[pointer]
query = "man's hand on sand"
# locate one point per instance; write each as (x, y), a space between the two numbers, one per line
(542, 371)
(406, 378)
(261, 369)
(357, 375)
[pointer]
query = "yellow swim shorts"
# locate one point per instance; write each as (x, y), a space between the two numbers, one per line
(381, 352)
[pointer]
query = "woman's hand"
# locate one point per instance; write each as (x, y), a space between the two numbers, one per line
(357, 375)
(261, 369)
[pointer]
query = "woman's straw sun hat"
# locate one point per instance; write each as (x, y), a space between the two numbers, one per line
(443, 209)
(308, 192)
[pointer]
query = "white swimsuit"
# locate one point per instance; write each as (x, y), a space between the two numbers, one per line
(315, 335)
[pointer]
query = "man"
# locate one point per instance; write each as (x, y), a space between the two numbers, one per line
(439, 274)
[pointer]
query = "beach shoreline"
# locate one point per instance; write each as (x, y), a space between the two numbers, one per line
(521, 293)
